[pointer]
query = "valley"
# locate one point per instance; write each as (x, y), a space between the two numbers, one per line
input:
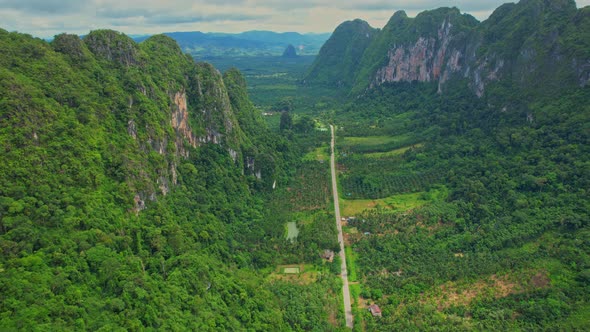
(431, 175)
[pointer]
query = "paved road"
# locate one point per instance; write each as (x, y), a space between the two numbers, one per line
(343, 273)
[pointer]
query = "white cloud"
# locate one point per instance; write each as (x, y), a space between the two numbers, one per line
(45, 18)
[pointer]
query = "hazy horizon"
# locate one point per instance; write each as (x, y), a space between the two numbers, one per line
(46, 18)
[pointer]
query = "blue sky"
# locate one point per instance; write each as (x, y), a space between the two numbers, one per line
(45, 18)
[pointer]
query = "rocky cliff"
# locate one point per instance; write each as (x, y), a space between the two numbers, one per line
(122, 181)
(526, 44)
(158, 106)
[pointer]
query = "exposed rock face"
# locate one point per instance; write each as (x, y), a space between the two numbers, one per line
(487, 70)
(180, 123)
(423, 61)
(215, 108)
(534, 45)
(437, 59)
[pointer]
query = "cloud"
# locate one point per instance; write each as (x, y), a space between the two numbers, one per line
(420, 5)
(163, 19)
(43, 6)
(44, 18)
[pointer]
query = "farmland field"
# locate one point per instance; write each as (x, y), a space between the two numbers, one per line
(394, 152)
(372, 144)
(401, 203)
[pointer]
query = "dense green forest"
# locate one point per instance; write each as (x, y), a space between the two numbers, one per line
(495, 235)
(133, 185)
(463, 167)
(142, 190)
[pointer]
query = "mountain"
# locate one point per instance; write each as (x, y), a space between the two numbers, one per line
(338, 61)
(290, 52)
(539, 43)
(128, 188)
(472, 142)
(204, 45)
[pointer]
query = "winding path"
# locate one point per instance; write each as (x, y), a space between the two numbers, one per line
(344, 272)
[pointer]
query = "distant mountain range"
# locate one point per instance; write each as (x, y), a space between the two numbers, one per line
(200, 44)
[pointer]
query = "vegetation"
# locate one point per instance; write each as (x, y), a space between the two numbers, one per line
(111, 218)
(338, 59)
(250, 43)
(497, 224)
(140, 190)
(276, 80)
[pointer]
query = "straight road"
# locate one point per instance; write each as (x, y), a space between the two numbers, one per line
(343, 270)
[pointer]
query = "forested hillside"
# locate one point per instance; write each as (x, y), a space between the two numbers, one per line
(130, 179)
(475, 217)
(464, 164)
(140, 190)
(541, 44)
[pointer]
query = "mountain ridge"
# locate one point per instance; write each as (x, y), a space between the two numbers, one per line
(255, 42)
(443, 44)
(127, 182)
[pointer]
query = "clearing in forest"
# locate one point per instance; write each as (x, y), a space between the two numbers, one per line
(401, 203)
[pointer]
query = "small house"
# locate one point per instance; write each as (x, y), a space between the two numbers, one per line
(328, 255)
(375, 310)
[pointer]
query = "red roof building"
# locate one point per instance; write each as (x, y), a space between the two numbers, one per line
(375, 310)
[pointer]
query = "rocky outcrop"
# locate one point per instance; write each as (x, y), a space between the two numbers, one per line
(180, 123)
(435, 57)
(214, 108)
(534, 45)
(113, 46)
(427, 60)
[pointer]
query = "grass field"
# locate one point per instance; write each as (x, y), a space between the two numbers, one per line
(368, 140)
(374, 144)
(319, 154)
(401, 203)
(392, 153)
(351, 263)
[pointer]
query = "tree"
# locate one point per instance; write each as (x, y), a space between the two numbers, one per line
(286, 121)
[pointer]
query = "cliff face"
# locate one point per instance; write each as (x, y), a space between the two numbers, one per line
(150, 106)
(529, 44)
(428, 59)
(92, 132)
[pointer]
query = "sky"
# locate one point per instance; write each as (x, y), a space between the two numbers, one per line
(46, 18)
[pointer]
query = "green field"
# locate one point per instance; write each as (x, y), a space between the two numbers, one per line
(374, 144)
(394, 152)
(350, 263)
(273, 79)
(399, 203)
(319, 154)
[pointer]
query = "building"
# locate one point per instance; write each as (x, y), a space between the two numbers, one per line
(375, 310)
(328, 255)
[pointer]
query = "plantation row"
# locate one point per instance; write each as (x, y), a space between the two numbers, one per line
(385, 146)
(311, 188)
(357, 163)
(380, 185)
